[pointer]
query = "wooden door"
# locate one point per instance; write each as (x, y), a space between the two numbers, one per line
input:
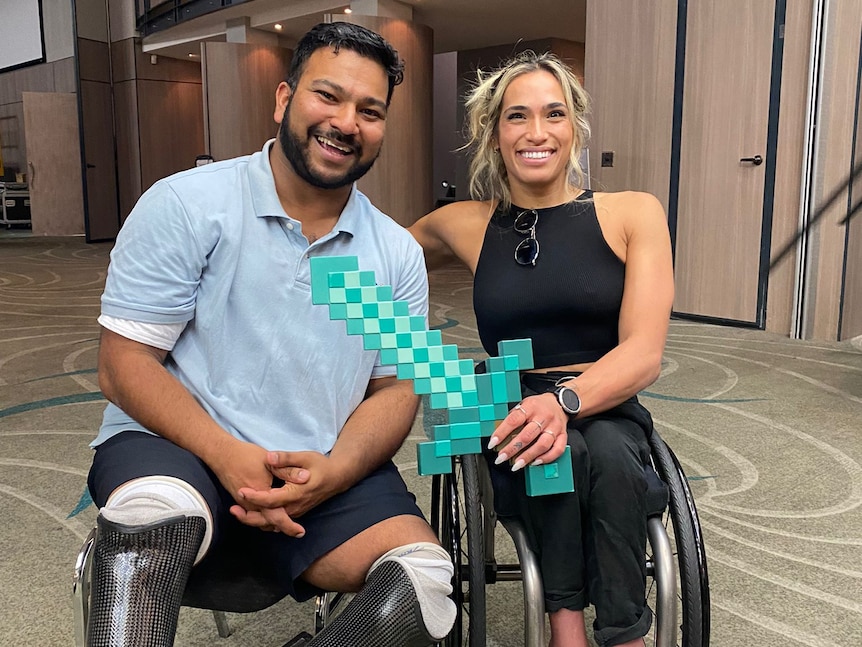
(54, 163)
(103, 216)
(721, 198)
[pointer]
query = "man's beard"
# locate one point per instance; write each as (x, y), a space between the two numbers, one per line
(296, 153)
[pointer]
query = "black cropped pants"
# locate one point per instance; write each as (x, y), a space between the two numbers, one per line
(591, 543)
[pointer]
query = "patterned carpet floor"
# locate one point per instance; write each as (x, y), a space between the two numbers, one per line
(768, 430)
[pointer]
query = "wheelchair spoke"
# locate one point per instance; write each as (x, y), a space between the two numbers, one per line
(461, 534)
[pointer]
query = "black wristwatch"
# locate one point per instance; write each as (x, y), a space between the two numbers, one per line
(568, 399)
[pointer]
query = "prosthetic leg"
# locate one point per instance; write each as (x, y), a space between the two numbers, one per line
(404, 603)
(139, 575)
(384, 613)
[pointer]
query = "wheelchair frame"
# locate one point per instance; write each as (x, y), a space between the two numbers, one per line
(677, 576)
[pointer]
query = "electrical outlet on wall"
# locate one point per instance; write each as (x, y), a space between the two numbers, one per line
(607, 158)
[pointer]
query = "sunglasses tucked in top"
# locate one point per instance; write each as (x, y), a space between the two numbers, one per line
(527, 251)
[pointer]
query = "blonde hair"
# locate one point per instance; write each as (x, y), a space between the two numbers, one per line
(484, 105)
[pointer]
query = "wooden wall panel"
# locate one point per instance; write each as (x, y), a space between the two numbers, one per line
(399, 184)
(91, 18)
(57, 29)
(239, 88)
(165, 69)
(833, 158)
(171, 128)
(123, 60)
(630, 57)
(780, 302)
(93, 63)
(446, 129)
(128, 146)
(851, 319)
(13, 140)
(572, 54)
(36, 78)
(103, 219)
(65, 75)
(851, 324)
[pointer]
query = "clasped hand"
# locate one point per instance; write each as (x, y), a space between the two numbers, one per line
(533, 433)
(308, 481)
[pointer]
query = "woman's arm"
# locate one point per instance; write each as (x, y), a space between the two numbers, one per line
(645, 313)
(452, 232)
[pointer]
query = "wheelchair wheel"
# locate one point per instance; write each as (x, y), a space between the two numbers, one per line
(687, 553)
(457, 519)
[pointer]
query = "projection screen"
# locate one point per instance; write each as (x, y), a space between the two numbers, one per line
(21, 41)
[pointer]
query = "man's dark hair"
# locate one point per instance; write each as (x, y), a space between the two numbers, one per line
(345, 35)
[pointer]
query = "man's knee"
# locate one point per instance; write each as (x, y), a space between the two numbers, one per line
(153, 499)
(346, 567)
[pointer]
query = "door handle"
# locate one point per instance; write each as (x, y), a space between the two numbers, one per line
(757, 160)
(91, 166)
(32, 173)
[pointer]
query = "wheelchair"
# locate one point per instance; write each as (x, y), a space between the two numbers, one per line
(462, 514)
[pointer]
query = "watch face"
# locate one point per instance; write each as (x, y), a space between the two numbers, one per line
(569, 400)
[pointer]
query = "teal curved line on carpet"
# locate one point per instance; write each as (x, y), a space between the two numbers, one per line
(83, 371)
(51, 402)
(673, 398)
(449, 323)
(85, 502)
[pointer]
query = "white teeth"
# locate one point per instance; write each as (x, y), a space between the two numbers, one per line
(329, 142)
(536, 155)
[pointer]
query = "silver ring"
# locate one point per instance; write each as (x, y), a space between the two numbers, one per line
(521, 409)
(540, 425)
(550, 433)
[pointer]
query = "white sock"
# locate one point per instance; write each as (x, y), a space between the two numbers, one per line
(152, 498)
(430, 570)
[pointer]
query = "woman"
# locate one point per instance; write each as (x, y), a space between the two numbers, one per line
(588, 277)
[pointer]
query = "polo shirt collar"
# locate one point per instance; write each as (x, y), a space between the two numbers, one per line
(266, 202)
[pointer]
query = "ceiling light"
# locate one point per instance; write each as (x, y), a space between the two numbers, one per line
(348, 10)
(278, 26)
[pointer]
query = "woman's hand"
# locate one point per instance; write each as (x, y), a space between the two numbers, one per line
(534, 432)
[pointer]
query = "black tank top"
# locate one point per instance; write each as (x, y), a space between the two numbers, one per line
(568, 303)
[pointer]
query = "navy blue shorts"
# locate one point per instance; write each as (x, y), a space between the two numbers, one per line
(380, 496)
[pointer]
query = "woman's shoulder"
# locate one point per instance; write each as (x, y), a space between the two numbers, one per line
(633, 214)
(627, 200)
(453, 231)
(457, 215)
(464, 209)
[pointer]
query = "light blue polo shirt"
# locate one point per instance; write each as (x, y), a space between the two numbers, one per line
(213, 246)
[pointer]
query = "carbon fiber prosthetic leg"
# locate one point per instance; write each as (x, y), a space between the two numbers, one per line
(385, 613)
(139, 575)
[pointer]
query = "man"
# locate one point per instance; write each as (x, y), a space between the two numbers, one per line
(220, 371)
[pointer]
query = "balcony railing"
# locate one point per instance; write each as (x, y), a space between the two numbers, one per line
(157, 15)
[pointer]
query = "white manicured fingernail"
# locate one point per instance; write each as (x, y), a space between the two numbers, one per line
(537, 462)
(493, 442)
(500, 458)
(518, 464)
